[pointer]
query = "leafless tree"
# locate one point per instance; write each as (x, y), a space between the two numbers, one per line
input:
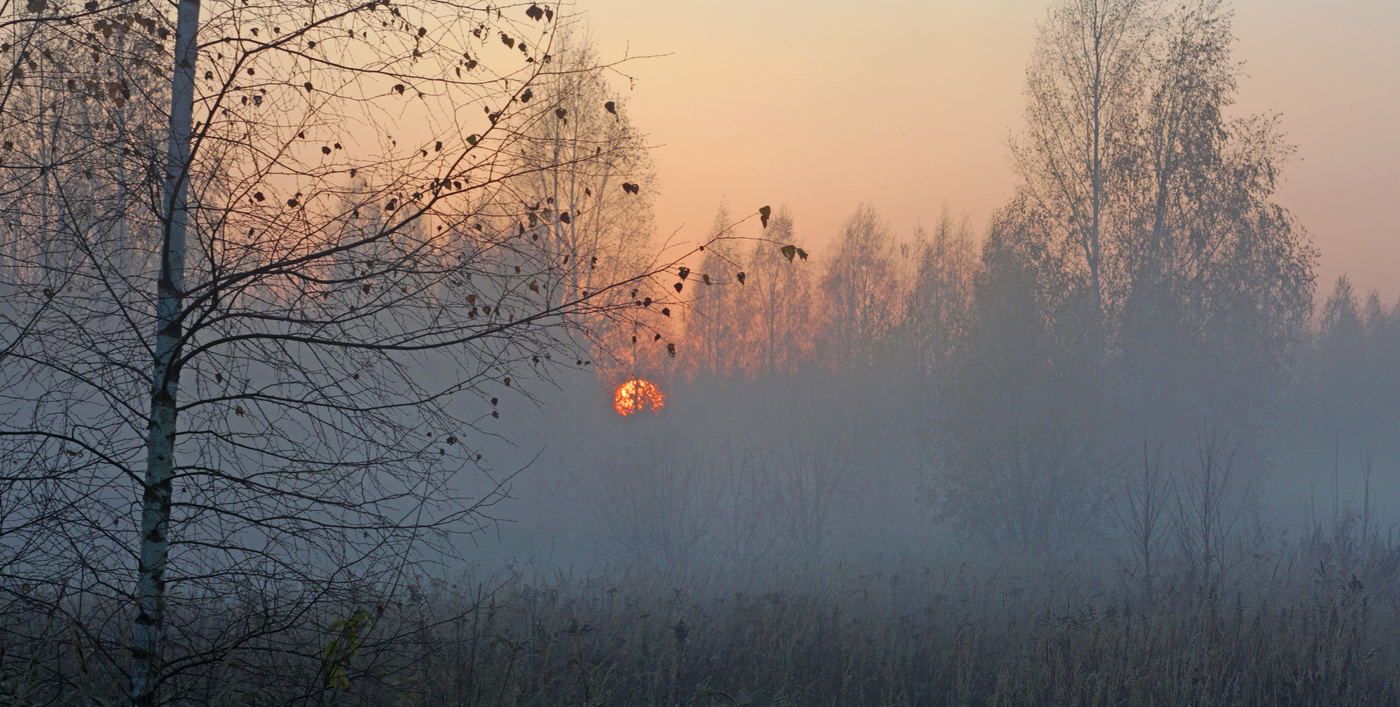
(1081, 88)
(592, 163)
(860, 288)
(1142, 515)
(937, 305)
(1212, 499)
(778, 300)
(1159, 204)
(271, 345)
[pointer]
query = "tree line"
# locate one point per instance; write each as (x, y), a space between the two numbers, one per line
(1141, 299)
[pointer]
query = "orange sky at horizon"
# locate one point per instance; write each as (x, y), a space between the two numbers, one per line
(910, 106)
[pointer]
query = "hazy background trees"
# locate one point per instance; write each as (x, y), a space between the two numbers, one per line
(1140, 286)
(937, 307)
(778, 300)
(713, 326)
(1025, 443)
(1153, 283)
(859, 291)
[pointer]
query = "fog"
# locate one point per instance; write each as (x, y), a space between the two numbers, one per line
(758, 476)
(291, 420)
(1099, 496)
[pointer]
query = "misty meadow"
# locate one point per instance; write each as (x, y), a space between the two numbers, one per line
(345, 360)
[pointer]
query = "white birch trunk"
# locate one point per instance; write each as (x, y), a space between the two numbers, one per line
(149, 626)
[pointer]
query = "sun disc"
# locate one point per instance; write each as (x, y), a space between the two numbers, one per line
(637, 395)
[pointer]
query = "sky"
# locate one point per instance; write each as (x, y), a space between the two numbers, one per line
(910, 105)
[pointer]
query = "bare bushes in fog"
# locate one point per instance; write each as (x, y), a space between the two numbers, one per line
(680, 508)
(809, 472)
(656, 505)
(1212, 504)
(1143, 516)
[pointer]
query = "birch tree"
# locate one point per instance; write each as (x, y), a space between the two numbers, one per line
(715, 325)
(860, 288)
(1149, 198)
(936, 307)
(592, 163)
(246, 362)
(1081, 87)
(779, 300)
(1140, 175)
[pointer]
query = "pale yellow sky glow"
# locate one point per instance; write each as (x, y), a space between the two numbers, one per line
(909, 105)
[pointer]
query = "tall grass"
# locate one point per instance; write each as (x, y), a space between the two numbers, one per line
(949, 635)
(1305, 623)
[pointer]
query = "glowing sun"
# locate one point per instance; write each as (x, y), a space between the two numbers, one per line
(637, 395)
